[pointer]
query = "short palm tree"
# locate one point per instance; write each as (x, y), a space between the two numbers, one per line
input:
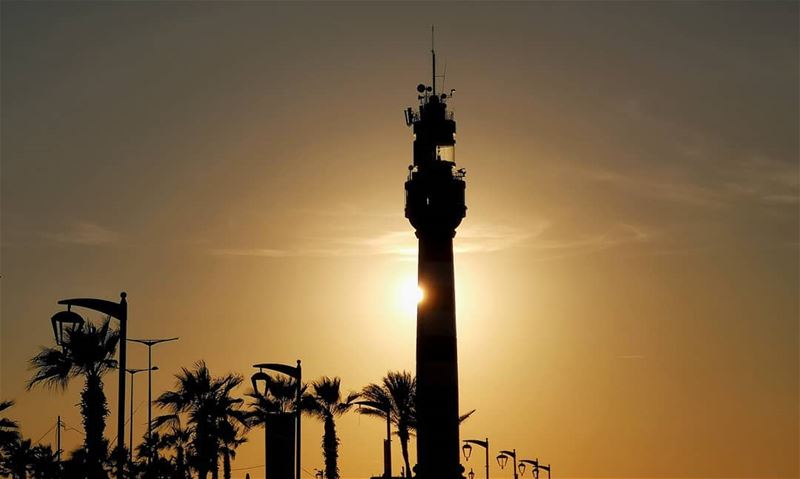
(44, 463)
(398, 390)
(17, 459)
(179, 440)
(324, 401)
(86, 351)
(210, 410)
(9, 429)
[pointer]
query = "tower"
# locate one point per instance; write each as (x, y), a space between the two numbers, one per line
(435, 207)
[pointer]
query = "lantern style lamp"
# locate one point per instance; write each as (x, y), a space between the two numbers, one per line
(61, 318)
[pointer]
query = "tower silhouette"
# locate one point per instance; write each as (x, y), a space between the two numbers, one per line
(435, 207)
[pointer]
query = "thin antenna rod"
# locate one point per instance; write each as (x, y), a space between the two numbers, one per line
(433, 61)
(444, 75)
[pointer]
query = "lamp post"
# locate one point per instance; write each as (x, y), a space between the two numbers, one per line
(534, 470)
(133, 372)
(502, 460)
(387, 445)
(467, 450)
(120, 312)
(546, 468)
(295, 372)
(150, 343)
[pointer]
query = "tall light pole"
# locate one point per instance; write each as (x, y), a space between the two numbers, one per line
(467, 450)
(133, 372)
(502, 460)
(150, 343)
(120, 312)
(295, 372)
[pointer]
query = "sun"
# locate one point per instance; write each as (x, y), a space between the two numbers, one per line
(410, 294)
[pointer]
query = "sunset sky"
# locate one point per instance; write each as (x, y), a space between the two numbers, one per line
(626, 276)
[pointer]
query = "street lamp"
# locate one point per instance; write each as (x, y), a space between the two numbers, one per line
(521, 468)
(467, 450)
(534, 463)
(387, 445)
(120, 312)
(295, 372)
(150, 343)
(546, 468)
(133, 372)
(502, 460)
(61, 318)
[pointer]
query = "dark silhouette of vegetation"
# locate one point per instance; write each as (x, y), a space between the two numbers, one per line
(398, 389)
(214, 417)
(86, 351)
(9, 429)
(324, 401)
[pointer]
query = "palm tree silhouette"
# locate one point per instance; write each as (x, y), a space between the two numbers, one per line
(9, 429)
(324, 401)
(44, 464)
(179, 440)
(18, 457)
(86, 351)
(398, 389)
(211, 413)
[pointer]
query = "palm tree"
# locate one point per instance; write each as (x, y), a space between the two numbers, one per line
(325, 402)
(9, 429)
(86, 351)
(18, 458)
(398, 390)
(397, 393)
(44, 463)
(210, 411)
(179, 440)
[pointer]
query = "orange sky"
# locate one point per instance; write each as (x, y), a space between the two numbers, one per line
(627, 274)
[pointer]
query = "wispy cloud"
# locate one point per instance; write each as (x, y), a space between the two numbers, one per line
(471, 239)
(85, 233)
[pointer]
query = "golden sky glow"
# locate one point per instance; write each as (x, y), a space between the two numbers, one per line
(627, 274)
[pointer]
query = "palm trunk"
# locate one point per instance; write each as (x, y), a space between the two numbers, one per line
(330, 448)
(180, 463)
(226, 464)
(403, 435)
(94, 409)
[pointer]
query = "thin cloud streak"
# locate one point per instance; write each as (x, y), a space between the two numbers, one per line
(87, 234)
(474, 239)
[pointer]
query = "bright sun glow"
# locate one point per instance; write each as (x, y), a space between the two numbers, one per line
(410, 294)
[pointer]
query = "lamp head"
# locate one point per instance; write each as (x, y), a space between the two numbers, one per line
(471, 474)
(502, 460)
(467, 450)
(260, 376)
(61, 318)
(521, 468)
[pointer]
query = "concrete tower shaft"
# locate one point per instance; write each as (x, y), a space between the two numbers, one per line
(435, 207)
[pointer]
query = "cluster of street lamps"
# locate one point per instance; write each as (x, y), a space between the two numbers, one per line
(65, 320)
(502, 460)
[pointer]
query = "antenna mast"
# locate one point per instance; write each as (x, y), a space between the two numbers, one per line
(433, 61)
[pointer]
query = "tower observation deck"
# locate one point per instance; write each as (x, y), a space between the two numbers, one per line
(435, 206)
